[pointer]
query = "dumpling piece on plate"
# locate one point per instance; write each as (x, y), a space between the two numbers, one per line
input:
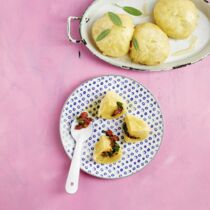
(177, 18)
(111, 39)
(112, 106)
(150, 45)
(107, 150)
(135, 129)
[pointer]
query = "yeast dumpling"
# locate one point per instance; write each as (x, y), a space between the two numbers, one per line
(104, 145)
(177, 18)
(117, 42)
(135, 129)
(150, 45)
(109, 104)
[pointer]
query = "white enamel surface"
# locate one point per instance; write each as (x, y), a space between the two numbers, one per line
(202, 32)
(73, 176)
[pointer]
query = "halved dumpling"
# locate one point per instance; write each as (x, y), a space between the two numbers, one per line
(135, 129)
(112, 106)
(103, 151)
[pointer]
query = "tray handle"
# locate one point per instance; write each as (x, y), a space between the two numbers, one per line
(71, 39)
(207, 1)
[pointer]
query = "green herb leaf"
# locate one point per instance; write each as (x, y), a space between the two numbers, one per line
(80, 121)
(103, 34)
(135, 43)
(120, 104)
(132, 11)
(115, 148)
(115, 18)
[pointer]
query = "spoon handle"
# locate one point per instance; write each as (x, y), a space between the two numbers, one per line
(74, 171)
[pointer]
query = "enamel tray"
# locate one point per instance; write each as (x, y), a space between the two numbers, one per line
(200, 50)
(140, 102)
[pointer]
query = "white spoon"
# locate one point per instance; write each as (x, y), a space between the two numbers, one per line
(73, 176)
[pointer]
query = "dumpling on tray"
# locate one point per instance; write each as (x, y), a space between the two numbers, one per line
(177, 18)
(107, 150)
(112, 106)
(150, 45)
(111, 39)
(135, 129)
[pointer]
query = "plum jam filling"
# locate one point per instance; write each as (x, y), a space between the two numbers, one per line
(83, 121)
(113, 141)
(127, 133)
(119, 109)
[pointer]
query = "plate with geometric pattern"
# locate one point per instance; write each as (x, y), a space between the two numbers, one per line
(141, 103)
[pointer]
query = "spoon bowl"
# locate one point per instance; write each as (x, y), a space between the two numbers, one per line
(82, 134)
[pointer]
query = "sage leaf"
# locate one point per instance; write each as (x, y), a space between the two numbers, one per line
(135, 43)
(119, 104)
(132, 11)
(115, 18)
(103, 34)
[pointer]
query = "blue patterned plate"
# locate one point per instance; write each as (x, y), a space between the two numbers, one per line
(140, 103)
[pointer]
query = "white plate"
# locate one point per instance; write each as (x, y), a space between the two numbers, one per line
(140, 103)
(100, 7)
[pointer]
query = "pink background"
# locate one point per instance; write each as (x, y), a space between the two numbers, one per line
(39, 68)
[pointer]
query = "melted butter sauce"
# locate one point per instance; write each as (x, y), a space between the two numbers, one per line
(192, 44)
(145, 9)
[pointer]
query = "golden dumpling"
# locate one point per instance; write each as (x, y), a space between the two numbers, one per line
(135, 129)
(112, 106)
(177, 18)
(104, 147)
(117, 42)
(150, 45)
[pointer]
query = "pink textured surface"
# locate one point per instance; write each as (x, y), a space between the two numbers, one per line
(39, 69)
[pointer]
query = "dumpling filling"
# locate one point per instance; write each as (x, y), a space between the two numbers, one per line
(107, 150)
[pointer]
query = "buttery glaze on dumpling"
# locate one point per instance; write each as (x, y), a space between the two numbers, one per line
(117, 42)
(112, 106)
(177, 18)
(135, 129)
